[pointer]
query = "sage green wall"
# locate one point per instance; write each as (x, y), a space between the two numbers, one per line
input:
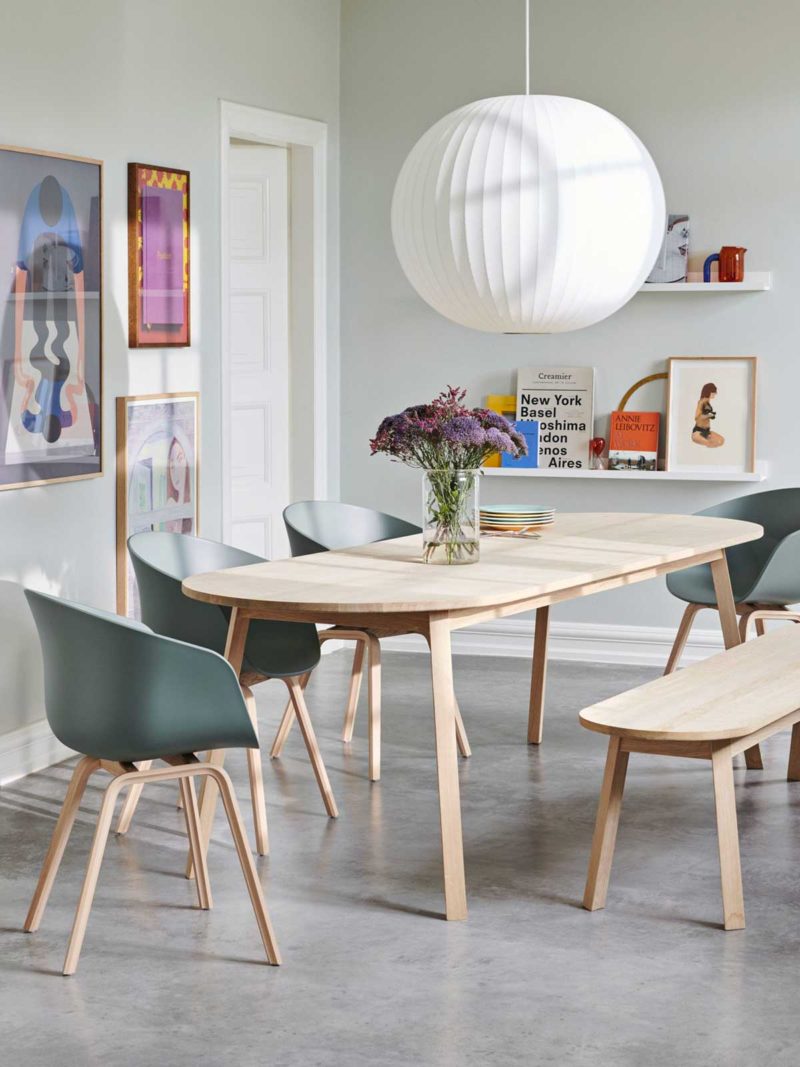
(120, 80)
(712, 88)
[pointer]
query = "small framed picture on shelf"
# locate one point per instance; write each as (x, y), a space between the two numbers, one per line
(158, 257)
(157, 476)
(711, 414)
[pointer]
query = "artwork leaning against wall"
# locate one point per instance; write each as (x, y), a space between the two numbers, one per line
(157, 475)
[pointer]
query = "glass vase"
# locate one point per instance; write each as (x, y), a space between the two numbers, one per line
(450, 516)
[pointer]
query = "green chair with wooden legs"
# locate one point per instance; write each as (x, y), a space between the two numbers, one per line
(282, 650)
(327, 525)
(122, 695)
(765, 574)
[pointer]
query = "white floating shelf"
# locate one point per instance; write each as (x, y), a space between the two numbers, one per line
(652, 476)
(755, 281)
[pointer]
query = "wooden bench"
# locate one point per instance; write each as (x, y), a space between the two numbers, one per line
(712, 710)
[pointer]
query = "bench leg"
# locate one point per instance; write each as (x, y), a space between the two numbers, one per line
(730, 634)
(728, 838)
(605, 830)
(793, 773)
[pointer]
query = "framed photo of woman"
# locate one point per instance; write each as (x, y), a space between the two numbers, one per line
(51, 318)
(711, 414)
(157, 476)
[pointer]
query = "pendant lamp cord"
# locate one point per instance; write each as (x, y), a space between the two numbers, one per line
(527, 47)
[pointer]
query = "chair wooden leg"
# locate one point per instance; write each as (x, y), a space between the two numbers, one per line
(256, 780)
(301, 712)
(66, 820)
(92, 872)
(682, 636)
(131, 801)
(235, 642)
(461, 734)
(246, 860)
(287, 720)
(374, 707)
(605, 830)
(208, 807)
(728, 837)
(356, 675)
(192, 815)
(538, 676)
(793, 772)
(744, 619)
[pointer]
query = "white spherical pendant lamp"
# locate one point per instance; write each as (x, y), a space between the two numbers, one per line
(528, 214)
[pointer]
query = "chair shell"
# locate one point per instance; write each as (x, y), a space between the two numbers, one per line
(766, 571)
(117, 691)
(317, 525)
(162, 560)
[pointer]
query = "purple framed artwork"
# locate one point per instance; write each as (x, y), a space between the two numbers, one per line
(158, 257)
(51, 360)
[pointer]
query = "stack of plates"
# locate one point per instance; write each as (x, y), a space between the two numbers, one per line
(514, 517)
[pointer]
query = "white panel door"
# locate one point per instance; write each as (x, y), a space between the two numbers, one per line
(257, 481)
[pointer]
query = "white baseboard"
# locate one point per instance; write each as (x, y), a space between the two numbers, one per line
(644, 646)
(28, 749)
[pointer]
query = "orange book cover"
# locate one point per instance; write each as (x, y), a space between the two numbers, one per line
(633, 441)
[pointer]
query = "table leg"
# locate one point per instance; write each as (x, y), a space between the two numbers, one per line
(730, 633)
(538, 676)
(209, 794)
(455, 890)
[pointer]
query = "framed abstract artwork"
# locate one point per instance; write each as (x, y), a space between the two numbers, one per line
(51, 354)
(157, 475)
(158, 257)
(711, 414)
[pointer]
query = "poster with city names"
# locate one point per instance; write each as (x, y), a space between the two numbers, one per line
(561, 400)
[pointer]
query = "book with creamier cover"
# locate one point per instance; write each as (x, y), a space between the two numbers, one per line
(633, 440)
(561, 400)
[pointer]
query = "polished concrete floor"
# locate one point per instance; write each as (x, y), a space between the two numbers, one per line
(371, 974)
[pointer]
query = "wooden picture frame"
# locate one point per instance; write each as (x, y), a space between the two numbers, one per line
(51, 327)
(159, 262)
(719, 441)
(157, 435)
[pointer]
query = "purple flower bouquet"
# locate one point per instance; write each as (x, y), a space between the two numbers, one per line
(449, 442)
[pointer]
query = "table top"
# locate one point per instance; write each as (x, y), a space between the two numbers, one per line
(390, 577)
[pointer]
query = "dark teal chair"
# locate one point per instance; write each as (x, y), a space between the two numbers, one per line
(121, 695)
(765, 574)
(322, 526)
(288, 651)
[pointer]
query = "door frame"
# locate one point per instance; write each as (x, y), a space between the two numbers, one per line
(307, 143)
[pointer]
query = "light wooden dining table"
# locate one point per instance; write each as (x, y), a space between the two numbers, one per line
(386, 587)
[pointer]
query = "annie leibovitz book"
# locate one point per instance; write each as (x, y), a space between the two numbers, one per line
(561, 400)
(633, 441)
